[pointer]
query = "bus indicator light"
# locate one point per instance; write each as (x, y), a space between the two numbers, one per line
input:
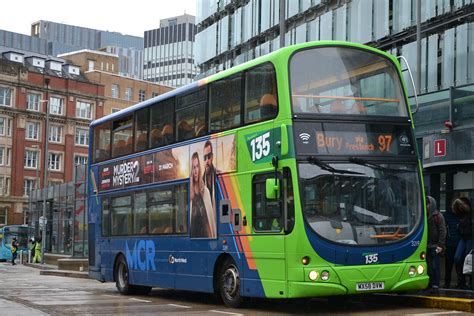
(305, 260)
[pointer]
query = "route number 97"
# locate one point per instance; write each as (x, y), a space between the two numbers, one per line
(260, 146)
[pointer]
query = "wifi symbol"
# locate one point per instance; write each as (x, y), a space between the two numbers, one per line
(305, 137)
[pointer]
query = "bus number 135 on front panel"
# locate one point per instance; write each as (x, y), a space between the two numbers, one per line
(260, 146)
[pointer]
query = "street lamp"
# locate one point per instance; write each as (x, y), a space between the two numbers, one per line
(45, 175)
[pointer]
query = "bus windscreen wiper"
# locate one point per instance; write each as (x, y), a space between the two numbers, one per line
(363, 162)
(325, 166)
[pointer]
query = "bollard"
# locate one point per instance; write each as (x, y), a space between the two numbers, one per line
(21, 257)
(29, 256)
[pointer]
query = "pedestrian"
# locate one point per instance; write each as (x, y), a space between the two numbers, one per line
(14, 249)
(32, 248)
(436, 241)
(462, 208)
(452, 239)
(37, 257)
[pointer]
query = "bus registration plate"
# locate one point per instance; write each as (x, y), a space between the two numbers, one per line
(370, 286)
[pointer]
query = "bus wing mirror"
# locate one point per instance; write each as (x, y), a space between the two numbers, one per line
(284, 140)
(272, 188)
(402, 58)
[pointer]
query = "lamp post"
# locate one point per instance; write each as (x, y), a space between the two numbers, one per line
(45, 175)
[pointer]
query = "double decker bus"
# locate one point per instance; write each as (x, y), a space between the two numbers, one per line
(22, 234)
(292, 175)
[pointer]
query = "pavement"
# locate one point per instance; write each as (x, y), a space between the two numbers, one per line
(448, 299)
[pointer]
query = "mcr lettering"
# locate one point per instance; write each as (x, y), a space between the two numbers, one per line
(126, 173)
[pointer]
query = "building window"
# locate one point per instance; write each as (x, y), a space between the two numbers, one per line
(3, 215)
(84, 110)
(56, 106)
(5, 96)
(4, 186)
(115, 91)
(80, 160)
(8, 122)
(28, 186)
(114, 110)
(55, 133)
(32, 130)
(31, 159)
(90, 65)
(54, 161)
(141, 95)
(128, 94)
(33, 101)
(154, 94)
(82, 136)
(5, 160)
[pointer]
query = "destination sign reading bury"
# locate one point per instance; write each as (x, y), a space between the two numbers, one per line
(314, 138)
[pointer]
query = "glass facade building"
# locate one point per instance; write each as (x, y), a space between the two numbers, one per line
(169, 52)
(231, 32)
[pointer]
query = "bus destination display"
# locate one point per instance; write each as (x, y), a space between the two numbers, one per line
(352, 139)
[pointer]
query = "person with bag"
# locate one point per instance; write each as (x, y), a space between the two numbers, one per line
(14, 249)
(436, 241)
(462, 208)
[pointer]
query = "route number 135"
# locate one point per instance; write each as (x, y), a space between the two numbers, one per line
(260, 146)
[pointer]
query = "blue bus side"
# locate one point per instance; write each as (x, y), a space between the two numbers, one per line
(174, 262)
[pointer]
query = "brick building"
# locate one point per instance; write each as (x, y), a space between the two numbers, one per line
(120, 91)
(29, 84)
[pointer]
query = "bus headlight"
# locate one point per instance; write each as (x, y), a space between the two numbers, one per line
(422, 255)
(412, 271)
(325, 275)
(305, 260)
(421, 269)
(313, 275)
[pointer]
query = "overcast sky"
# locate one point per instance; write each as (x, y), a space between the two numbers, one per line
(127, 17)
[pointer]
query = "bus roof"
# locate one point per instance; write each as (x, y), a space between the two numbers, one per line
(228, 72)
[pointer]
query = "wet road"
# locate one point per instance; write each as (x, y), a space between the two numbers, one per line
(23, 291)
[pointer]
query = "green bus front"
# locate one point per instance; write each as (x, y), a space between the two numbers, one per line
(358, 175)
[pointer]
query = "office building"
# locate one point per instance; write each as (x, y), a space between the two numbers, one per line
(232, 32)
(169, 52)
(119, 91)
(63, 38)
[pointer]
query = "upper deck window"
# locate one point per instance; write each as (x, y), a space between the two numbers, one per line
(261, 101)
(122, 137)
(101, 142)
(345, 81)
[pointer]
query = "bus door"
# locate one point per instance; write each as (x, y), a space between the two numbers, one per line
(268, 231)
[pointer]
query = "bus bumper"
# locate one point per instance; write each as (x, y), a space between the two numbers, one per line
(311, 289)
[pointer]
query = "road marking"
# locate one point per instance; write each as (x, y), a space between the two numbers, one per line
(437, 313)
(108, 295)
(222, 312)
(182, 306)
(139, 300)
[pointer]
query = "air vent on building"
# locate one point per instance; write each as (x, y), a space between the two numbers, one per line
(53, 65)
(71, 69)
(14, 56)
(36, 61)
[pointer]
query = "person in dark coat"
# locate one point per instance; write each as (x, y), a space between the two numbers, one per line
(436, 241)
(462, 208)
(452, 239)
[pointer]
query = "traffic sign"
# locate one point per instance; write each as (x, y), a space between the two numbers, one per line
(440, 148)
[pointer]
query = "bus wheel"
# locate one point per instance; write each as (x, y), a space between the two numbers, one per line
(121, 277)
(229, 284)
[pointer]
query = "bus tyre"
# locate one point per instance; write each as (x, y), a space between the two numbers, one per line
(229, 284)
(121, 276)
